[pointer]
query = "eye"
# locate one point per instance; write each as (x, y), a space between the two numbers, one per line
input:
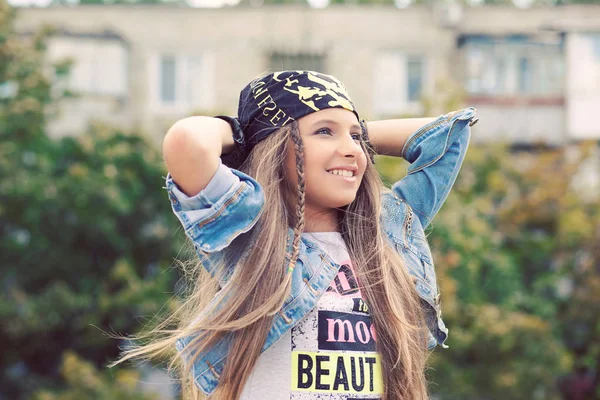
(356, 136)
(322, 131)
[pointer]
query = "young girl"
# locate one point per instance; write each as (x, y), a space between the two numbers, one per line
(317, 282)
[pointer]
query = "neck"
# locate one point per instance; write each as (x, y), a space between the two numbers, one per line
(321, 220)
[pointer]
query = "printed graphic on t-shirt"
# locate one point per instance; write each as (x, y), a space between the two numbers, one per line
(333, 347)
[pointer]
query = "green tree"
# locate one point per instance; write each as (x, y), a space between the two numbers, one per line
(86, 234)
(516, 255)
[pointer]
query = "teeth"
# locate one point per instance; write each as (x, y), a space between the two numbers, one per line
(341, 172)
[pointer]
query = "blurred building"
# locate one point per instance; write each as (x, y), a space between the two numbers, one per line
(534, 74)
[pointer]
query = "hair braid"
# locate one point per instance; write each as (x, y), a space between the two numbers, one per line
(299, 220)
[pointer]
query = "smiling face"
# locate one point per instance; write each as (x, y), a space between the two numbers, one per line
(334, 161)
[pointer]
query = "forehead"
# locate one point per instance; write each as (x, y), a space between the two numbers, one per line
(338, 116)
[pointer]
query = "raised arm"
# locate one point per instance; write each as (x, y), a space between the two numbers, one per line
(435, 148)
(192, 148)
(389, 136)
(215, 204)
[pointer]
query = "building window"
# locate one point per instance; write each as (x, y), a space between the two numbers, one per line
(297, 61)
(99, 64)
(525, 77)
(513, 66)
(414, 77)
(399, 83)
(595, 39)
(183, 82)
(168, 79)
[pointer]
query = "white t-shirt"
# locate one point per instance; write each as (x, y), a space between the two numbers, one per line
(330, 354)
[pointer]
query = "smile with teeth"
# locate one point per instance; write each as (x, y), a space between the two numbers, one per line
(341, 172)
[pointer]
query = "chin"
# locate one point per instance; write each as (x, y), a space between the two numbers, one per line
(342, 201)
(330, 198)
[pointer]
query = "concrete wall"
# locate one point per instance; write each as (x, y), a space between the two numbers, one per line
(235, 46)
(583, 90)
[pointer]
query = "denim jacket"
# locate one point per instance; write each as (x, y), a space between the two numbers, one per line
(232, 203)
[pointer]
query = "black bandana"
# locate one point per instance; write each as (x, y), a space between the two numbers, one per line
(273, 101)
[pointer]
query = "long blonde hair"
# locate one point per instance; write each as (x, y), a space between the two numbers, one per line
(244, 308)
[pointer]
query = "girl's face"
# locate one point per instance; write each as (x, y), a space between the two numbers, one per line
(334, 162)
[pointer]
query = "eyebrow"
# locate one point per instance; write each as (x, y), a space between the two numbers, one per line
(330, 121)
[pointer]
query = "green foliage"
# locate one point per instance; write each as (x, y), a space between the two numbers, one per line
(85, 237)
(514, 233)
(86, 382)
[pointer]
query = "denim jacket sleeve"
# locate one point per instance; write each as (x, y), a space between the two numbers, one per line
(435, 153)
(229, 206)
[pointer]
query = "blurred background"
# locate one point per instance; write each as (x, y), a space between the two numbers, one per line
(88, 89)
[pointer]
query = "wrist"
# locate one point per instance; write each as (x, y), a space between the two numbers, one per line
(227, 127)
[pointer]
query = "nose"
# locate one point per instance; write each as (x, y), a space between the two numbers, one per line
(349, 147)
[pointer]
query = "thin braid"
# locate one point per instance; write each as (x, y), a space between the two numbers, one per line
(299, 227)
